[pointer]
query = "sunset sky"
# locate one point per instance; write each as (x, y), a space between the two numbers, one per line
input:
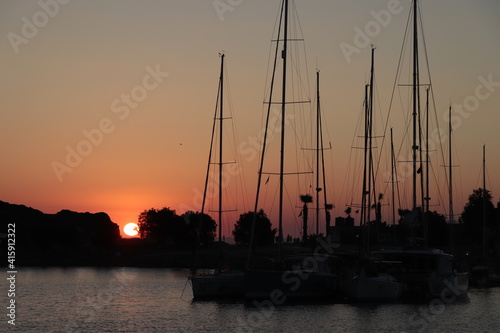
(108, 105)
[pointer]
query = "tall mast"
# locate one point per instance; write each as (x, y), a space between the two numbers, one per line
(221, 107)
(365, 163)
(318, 128)
(427, 195)
(264, 149)
(320, 164)
(283, 115)
(416, 99)
(392, 181)
(450, 187)
(484, 201)
(427, 191)
(325, 201)
(368, 176)
(218, 107)
(371, 176)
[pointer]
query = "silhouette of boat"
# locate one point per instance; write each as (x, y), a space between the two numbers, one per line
(363, 278)
(222, 282)
(425, 273)
(219, 284)
(367, 279)
(305, 276)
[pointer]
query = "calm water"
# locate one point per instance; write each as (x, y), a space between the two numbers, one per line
(160, 300)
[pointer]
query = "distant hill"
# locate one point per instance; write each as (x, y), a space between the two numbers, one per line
(66, 238)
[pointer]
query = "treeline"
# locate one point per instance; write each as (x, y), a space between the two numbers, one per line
(164, 228)
(74, 239)
(475, 232)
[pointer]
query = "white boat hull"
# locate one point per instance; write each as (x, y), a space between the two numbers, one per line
(383, 287)
(299, 284)
(224, 284)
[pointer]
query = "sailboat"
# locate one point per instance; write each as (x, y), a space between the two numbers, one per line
(303, 276)
(364, 278)
(225, 282)
(425, 272)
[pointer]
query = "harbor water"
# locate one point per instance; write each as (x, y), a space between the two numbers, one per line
(160, 300)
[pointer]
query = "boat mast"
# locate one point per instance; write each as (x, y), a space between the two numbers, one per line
(264, 145)
(371, 176)
(484, 202)
(325, 201)
(318, 120)
(368, 176)
(416, 99)
(283, 115)
(365, 162)
(427, 197)
(392, 181)
(207, 176)
(450, 186)
(327, 206)
(221, 95)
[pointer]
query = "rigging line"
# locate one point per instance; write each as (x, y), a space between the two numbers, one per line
(396, 79)
(435, 110)
(211, 150)
(300, 33)
(277, 27)
(488, 177)
(381, 151)
(350, 173)
(438, 188)
(259, 177)
(200, 223)
(432, 93)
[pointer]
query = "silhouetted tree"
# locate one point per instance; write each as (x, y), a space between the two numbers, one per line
(473, 215)
(403, 213)
(193, 221)
(438, 232)
(264, 234)
(163, 227)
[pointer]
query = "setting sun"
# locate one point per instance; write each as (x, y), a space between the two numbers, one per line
(131, 229)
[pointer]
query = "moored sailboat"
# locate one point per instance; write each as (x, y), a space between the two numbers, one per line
(224, 282)
(425, 272)
(364, 278)
(307, 276)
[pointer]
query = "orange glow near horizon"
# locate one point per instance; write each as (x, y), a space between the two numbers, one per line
(109, 107)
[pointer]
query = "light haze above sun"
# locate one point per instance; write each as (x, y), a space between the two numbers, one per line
(131, 229)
